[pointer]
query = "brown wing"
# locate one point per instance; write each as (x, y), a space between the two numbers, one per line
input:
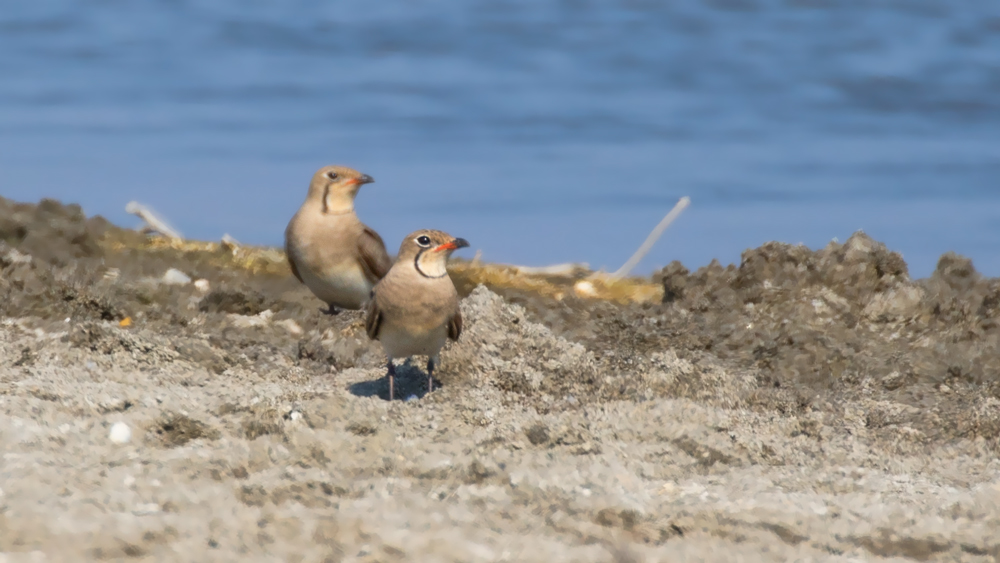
(375, 260)
(291, 263)
(455, 326)
(373, 318)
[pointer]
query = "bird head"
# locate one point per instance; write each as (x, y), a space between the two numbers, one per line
(429, 250)
(334, 187)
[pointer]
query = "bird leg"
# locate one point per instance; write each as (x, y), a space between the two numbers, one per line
(392, 376)
(430, 374)
(331, 310)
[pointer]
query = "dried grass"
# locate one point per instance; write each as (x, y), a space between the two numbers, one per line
(594, 286)
(253, 259)
(272, 261)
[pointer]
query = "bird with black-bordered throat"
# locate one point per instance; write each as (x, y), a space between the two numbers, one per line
(329, 249)
(414, 309)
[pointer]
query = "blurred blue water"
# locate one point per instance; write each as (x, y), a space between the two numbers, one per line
(540, 131)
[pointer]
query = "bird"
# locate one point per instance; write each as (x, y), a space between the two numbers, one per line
(413, 310)
(329, 249)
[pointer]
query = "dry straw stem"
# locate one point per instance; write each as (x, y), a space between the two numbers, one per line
(153, 221)
(616, 287)
(654, 235)
(569, 269)
(228, 253)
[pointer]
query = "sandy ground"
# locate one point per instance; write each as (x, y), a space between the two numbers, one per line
(803, 406)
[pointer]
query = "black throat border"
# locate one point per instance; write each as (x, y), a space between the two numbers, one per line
(416, 264)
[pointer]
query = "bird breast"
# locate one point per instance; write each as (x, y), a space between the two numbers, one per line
(324, 249)
(420, 304)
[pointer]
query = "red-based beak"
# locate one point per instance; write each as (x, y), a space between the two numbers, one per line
(364, 179)
(453, 245)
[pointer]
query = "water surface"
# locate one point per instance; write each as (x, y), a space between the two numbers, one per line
(541, 132)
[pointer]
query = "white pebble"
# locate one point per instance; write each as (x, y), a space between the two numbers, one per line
(120, 433)
(146, 509)
(244, 321)
(584, 289)
(291, 326)
(15, 257)
(202, 285)
(176, 277)
(411, 398)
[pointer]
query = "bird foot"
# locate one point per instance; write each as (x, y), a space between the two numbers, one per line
(391, 376)
(330, 310)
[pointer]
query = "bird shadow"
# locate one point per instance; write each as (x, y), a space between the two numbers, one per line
(411, 381)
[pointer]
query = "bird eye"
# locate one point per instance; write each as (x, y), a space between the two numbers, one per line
(331, 175)
(424, 240)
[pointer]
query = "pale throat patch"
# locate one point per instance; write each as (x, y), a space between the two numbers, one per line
(433, 264)
(338, 203)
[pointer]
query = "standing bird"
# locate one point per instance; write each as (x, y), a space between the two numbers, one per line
(415, 307)
(337, 256)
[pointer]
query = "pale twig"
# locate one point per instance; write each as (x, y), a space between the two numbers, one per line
(568, 269)
(229, 243)
(153, 221)
(651, 239)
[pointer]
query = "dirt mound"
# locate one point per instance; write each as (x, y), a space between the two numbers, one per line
(846, 322)
(816, 330)
(51, 231)
(819, 330)
(136, 408)
(502, 347)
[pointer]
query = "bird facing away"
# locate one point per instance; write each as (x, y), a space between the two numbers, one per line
(329, 249)
(414, 309)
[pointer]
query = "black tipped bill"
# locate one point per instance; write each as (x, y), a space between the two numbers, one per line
(454, 244)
